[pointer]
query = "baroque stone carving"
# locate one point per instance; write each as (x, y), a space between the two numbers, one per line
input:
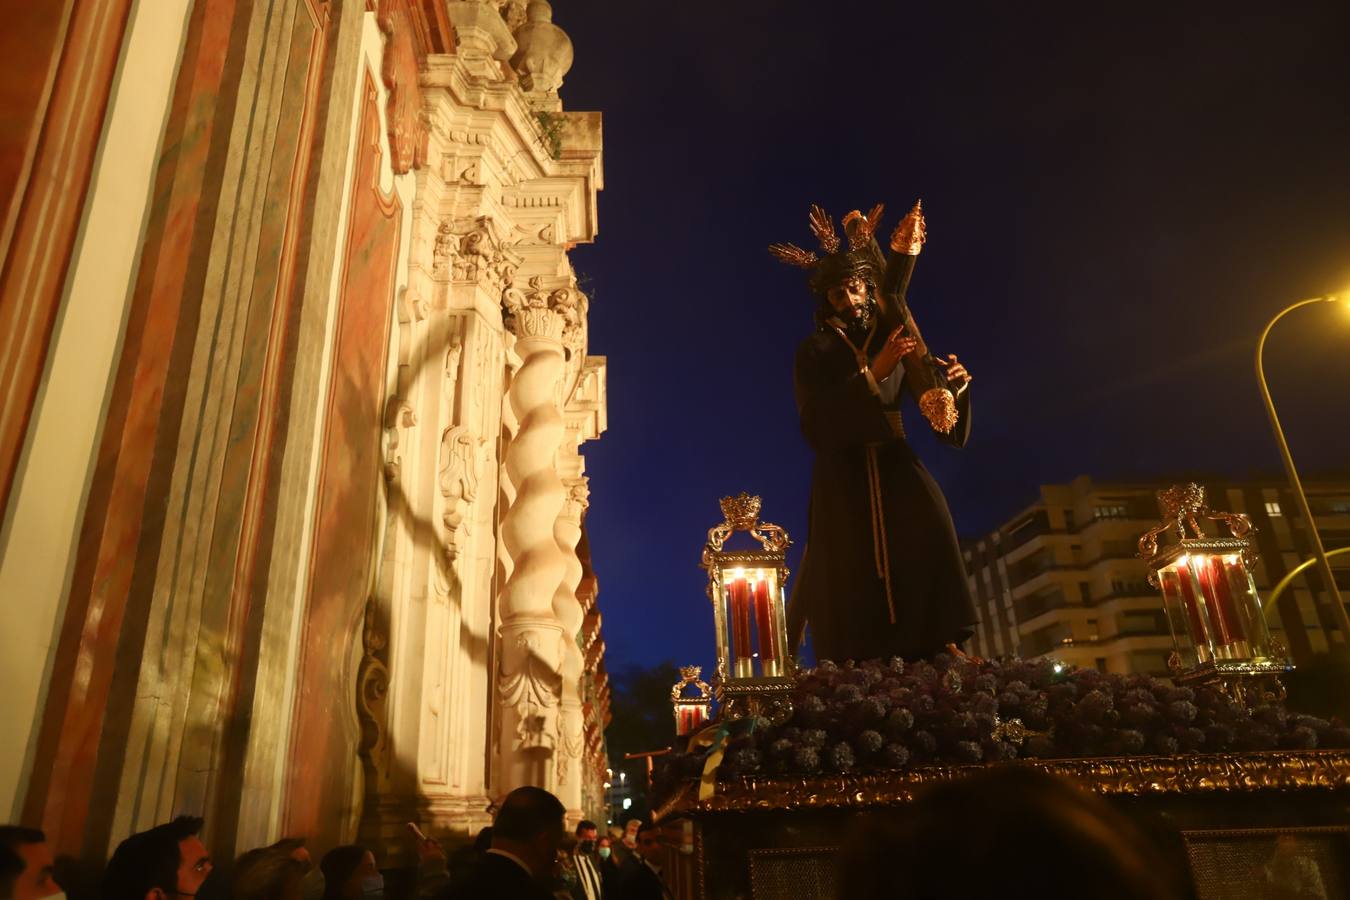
(407, 129)
(578, 499)
(470, 251)
(459, 484)
(543, 50)
(538, 311)
(372, 690)
(398, 415)
(531, 687)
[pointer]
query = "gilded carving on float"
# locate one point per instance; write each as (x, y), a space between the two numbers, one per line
(1136, 776)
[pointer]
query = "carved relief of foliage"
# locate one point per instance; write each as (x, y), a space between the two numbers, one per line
(530, 686)
(458, 483)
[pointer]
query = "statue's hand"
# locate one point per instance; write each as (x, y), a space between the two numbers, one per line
(896, 346)
(957, 374)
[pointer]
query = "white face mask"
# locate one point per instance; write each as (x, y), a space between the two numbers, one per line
(604, 852)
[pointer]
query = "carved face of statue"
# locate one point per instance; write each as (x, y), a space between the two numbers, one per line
(852, 300)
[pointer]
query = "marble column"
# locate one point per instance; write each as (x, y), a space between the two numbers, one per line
(571, 722)
(532, 637)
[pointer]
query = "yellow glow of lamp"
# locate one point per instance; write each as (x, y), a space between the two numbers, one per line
(1219, 630)
(748, 593)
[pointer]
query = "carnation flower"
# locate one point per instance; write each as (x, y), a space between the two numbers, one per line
(1139, 715)
(1181, 711)
(984, 702)
(745, 760)
(806, 759)
(1130, 741)
(895, 665)
(781, 748)
(826, 666)
(896, 756)
(1094, 705)
(869, 710)
(898, 721)
(923, 742)
(1165, 744)
(1179, 693)
(869, 741)
(1271, 716)
(848, 693)
(1190, 738)
(810, 710)
(814, 737)
(840, 758)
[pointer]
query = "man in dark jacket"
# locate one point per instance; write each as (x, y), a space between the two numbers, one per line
(640, 876)
(525, 840)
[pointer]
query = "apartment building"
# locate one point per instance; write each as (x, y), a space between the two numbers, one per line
(1062, 578)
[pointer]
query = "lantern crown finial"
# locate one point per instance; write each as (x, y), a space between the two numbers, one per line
(741, 512)
(1183, 507)
(689, 676)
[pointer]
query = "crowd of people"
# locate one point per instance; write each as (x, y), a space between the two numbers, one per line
(526, 854)
(1007, 826)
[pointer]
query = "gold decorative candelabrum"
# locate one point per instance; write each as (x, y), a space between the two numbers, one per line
(691, 710)
(1219, 630)
(748, 593)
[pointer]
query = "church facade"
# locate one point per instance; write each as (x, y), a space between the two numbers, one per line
(297, 384)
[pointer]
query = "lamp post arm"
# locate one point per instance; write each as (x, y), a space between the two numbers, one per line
(1323, 564)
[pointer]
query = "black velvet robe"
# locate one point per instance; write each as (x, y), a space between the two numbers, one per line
(838, 590)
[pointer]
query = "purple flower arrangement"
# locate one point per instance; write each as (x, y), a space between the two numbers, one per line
(884, 715)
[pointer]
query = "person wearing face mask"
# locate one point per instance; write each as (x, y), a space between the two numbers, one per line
(29, 868)
(609, 867)
(350, 873)
(590, 884)
(168, 862)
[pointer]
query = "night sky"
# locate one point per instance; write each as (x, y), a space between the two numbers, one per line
(1116, 205)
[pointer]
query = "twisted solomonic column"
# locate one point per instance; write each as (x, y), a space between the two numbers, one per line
(571, 720)
(532, 637)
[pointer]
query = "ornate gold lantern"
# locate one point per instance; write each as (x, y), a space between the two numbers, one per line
(1219, 630)
(690, 711)
(748, 593)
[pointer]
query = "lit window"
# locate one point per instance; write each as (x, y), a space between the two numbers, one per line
(1273, 508)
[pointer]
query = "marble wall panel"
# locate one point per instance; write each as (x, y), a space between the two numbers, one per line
(93, 680)
(322, 787)
(59, 63)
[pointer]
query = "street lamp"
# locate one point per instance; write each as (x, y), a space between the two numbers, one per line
(1323, 563)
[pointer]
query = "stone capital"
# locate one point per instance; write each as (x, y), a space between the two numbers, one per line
(542, 310)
